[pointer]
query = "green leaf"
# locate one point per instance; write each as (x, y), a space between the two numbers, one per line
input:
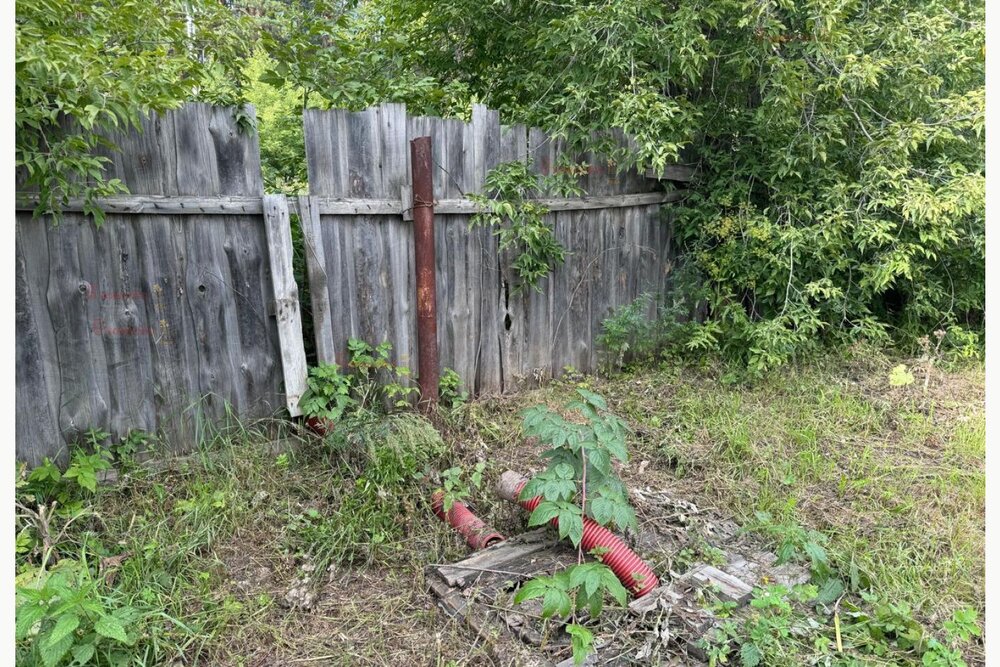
(64, 627)
(617, 448)
(593, 399)
(570, 523)
(26, 616)
(750, 655)
(82, 653)
(613, 586)
(831, 589)
(600, 460)
(899, 376)
(625, 517)
(786, 552)
(532, 589)
(816, 553)
(52, 654)
(555, 601)
(112, 628)
(545, 512)
(602, 510)
(582, 640)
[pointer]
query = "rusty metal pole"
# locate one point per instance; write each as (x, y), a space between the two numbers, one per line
(423, 251)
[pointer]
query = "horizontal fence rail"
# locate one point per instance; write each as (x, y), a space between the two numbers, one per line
(153, 205)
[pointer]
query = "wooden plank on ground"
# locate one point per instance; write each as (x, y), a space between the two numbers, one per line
(500, 560)
(729, 588)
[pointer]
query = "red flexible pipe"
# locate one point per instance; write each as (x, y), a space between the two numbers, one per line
(634, 574)
(477, 533)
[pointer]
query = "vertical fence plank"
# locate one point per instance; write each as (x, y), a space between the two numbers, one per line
(123, 327)
(396, 235)
(162, 255)
(318, 285)
(485, 142)
(513, 147)
(286, 299)
(36, 387)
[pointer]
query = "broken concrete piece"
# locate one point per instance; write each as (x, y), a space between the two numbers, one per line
(790, 574)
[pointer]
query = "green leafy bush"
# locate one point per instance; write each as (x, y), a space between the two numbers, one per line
(580, 479)
(328, 393)
(371, 383)
(840, 186)
(87, 71)
(455, 486)
(450, 391)
(61, 618)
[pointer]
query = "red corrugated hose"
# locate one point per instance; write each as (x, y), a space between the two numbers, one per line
(634, 574)
(477, 533)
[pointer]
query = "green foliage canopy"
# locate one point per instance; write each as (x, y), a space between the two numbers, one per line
(840, 193)
(841, 163)
(85, 71)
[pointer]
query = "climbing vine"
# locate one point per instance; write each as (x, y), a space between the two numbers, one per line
(518, 219)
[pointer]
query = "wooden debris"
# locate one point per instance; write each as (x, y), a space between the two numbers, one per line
(728, 587)
(670, 621)
(511, 558)
(664, 597)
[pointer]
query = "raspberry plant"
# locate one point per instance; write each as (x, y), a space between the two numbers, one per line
(579, 481)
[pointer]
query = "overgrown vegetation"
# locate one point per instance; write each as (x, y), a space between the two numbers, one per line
(878, 489)
(371, 385)
(838, 200)
(840, 186)
(839, 147)
(147, 571)
(85, 73)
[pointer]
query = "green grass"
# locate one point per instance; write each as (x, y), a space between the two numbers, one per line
(213, 543)
(892, 477)
(899, 491)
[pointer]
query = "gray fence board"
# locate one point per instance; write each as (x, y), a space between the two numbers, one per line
(153, 322)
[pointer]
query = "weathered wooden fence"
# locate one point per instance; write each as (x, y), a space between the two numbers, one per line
(182, 309)
(159, 320)
(359, 246)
